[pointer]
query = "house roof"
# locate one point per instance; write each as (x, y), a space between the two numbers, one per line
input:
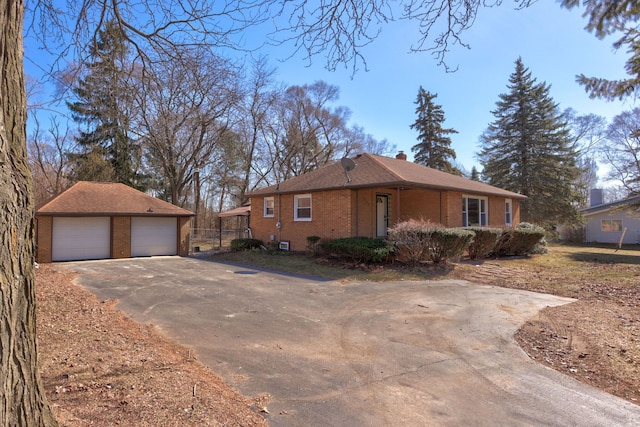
(107, 198)
(633, 202)
(378, 171)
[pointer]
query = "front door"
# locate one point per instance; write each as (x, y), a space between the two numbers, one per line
(382, 215)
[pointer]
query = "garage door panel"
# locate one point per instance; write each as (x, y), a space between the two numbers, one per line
(81, 238)
(154, 236)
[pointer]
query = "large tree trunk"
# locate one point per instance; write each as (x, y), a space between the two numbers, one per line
(22, 399)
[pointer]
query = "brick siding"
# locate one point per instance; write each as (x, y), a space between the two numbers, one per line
(120, 237)
(345, 213)
(43, 239)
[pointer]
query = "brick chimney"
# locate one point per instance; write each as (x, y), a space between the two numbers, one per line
(401, 156)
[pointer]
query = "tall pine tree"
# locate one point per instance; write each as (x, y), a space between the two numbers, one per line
(434, 149)
(108, 151)
(528, 149)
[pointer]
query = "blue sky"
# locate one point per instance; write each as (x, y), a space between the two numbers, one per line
(551, 41)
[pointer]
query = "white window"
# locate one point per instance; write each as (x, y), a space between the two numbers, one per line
(302, 207)
(611, 225)
(508, 217)
(474, 211)
(268, 207)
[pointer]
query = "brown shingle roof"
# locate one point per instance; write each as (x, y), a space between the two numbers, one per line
(108, 198)
(379, 171)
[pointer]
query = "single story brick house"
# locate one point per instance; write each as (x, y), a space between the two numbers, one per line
(366, 195)
(97, 220)
(607, 222)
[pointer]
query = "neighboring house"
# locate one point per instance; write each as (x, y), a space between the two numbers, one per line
(366, 195)
(606, 222)
(94, 220)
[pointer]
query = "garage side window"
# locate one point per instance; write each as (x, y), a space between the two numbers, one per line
(302, 207)
(269, 204)
(611, 225)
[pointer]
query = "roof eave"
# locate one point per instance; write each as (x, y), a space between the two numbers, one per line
(82, 214)
(392, 184)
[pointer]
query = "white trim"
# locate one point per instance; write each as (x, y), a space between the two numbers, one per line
(482, 212)
(298, 197)
(508, 211)
(265, 207)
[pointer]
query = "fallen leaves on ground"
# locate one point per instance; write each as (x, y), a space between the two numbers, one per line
(100, 368)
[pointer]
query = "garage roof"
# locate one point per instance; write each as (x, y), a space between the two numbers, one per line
(107, 198)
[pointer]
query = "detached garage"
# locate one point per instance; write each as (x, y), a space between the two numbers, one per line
(93, 220)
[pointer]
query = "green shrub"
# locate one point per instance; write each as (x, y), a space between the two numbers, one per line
(448, 243)
(520, 240)
(541, 246)
(411, 240)
(484, 241)
(239, 245)
(359, 249)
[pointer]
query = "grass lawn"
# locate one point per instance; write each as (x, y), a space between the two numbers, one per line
(562, 271)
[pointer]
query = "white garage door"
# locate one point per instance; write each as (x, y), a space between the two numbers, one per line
(154, 236)
(81, 238)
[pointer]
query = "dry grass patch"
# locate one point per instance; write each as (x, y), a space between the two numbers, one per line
(100, 368)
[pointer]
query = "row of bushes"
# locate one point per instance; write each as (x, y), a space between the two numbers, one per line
(415, 241)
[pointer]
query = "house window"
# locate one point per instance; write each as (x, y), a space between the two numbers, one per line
(508, 208)
(268, 207)
(611, 225)
(302, 207)
(474, 211)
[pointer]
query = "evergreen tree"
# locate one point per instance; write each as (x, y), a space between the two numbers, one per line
(102, 105)
(528, 149)
(434, 149)
(475, 174)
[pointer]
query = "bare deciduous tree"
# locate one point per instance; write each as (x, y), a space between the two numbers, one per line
(339, 29)
(256, 110)
(587, 132)
(47, 157)
(621, 150)
(183, 111)
(312, 133)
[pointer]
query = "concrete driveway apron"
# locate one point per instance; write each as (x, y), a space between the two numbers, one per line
(330, 353)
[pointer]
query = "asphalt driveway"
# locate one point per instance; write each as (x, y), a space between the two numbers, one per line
(357, 354)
